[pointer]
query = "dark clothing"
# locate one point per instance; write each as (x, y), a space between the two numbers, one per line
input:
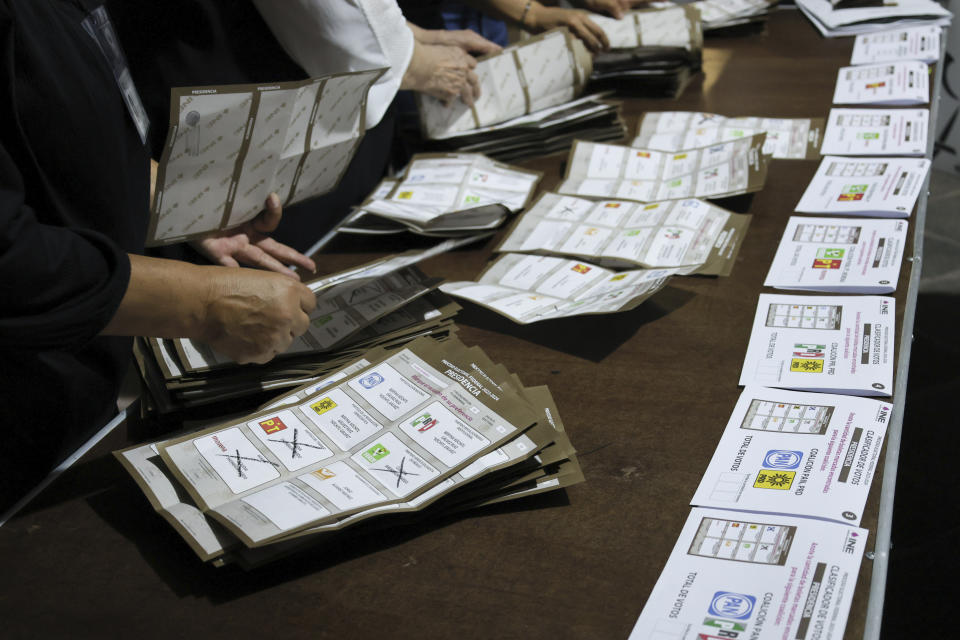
(74, 189)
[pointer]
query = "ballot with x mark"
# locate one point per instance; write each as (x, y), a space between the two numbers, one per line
(236, 461)
(296, 444)
(399, 472)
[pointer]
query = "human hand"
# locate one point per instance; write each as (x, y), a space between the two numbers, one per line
(442, 71)
(467, 39)
(615, 8)
(543, 18)
(251, 316)
(250, 245)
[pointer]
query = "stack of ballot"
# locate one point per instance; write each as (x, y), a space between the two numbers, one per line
(834, 22)
(787, 138)
(435, 425)
(450, 194)
(385, 303)
(528, 103)
(725, 14)
(652, 52)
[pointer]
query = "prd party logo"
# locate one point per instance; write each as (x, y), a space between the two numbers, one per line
(769, 479)
(782, 459)
(371, 380)
(736, 606)
(424, 422)
(323, 405)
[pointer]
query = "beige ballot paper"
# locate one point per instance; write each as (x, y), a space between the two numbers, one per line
(666, 27)
(547, 70)
(532, 288)
(835, 344)
(614, 171)
(797, 138)
(803, 454)
(910, 43)
(839, 255)
(692, 235)
(228, 147)
(388, 433)
(754, 576)
(876, 132)
(891, 83)
(879, 187)
(455, 191)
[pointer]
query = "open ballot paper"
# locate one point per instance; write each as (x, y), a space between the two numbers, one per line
(228, 147)
(384, 435)
(546, 70)
(804, 454)
(836, 344)
(881, 187)
(890, 83)
(454, 192)
(797, 138)
(532, 288)
(747, 576)
(911, 43)
(690, 234)
(666, 27)
(876, 132)
(614, 171)
(839, 255)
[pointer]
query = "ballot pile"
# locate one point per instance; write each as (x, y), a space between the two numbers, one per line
(428, 429)
(385, 303)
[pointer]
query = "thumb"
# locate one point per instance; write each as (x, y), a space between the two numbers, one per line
(268, 219)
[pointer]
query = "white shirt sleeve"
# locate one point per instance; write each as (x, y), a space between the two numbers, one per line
(333, 36)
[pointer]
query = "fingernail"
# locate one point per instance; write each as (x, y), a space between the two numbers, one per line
(274, 200)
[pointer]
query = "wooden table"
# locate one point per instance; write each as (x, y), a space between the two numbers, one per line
(644, 396)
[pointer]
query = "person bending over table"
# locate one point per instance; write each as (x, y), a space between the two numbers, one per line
(74, 196)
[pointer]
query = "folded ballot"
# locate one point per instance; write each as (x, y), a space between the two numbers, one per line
(615, 171)
(532, 288)
(802, 454)
(885, 187)
(446, 194)
(228, 147)
(830, 344)
(787, 138)
(744, 575)
(541, 72)
(677, 26)
(377, 443)
(891, 83)
(839, 255)
(692, 235)
(876, 132)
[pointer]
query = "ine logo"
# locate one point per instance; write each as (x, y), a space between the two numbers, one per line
(781, 459)
(371, 380)
(727, 604)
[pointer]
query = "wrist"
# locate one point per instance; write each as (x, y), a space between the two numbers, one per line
(535, 18)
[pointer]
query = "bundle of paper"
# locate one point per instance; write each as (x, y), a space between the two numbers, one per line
(839, 255)
(449, 194)
(876, 132)
(833, 22)
(433, 424)
(832, 344)
(690, 235)
(912, 43)
(646, 175)
(386, 302)
(653, 51)
(882, 187)
(229, 147)
(532, 288)
(541, 132)
(797, 138)
(541, 72)
(724, 14)
(891, 83)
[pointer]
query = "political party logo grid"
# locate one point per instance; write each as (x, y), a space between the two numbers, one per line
(852, 192)
(828, 258)
(774, 479)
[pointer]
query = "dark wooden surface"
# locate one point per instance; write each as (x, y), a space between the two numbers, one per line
(644, 396)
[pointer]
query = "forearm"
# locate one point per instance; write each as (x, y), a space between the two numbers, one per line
(164, 299)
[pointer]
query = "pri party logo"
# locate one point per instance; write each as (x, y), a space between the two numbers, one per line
(424, 422)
